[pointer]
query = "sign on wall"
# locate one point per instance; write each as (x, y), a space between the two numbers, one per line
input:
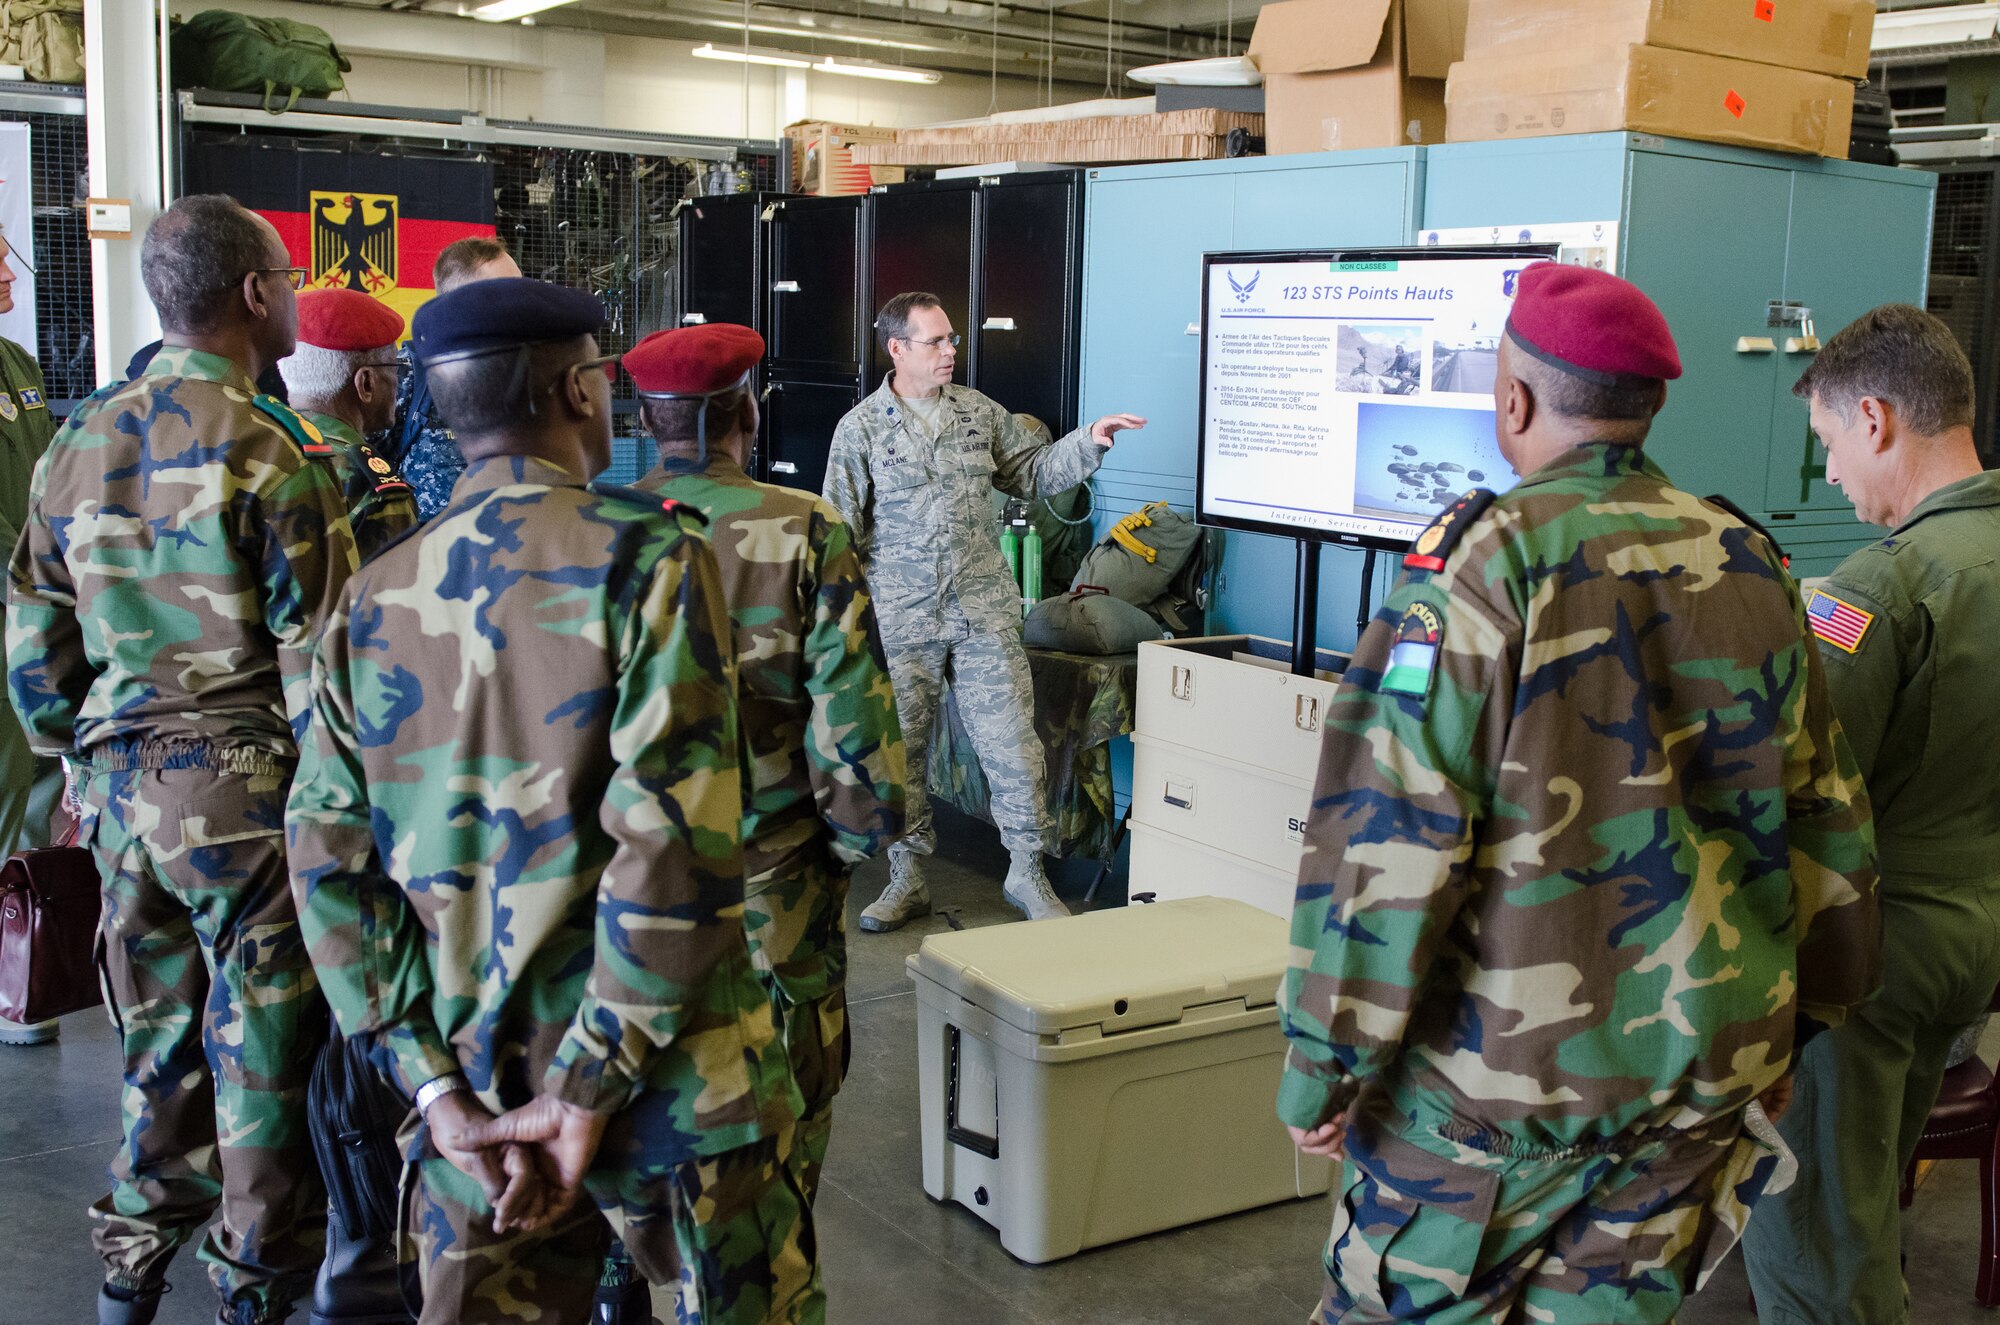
(17, 222)
(355, 219)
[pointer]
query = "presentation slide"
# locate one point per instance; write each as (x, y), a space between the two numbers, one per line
(1350, 400)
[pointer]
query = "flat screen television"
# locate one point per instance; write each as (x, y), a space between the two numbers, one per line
(1346, 394)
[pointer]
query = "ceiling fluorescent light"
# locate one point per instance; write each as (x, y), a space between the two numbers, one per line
(1941, 25)
(710, 51)
(816, 34)
(869, 69)
(504, 11)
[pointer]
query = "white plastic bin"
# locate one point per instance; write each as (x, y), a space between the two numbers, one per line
(1094, 1078)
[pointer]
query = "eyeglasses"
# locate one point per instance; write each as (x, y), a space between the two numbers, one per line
(608, 362)
(934, 342)
(295, 275)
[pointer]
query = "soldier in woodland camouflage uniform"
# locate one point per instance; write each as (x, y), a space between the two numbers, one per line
(179, 557)
(912, 471)
(824, 761)
(1904, 627)
(515, 843)
(1587, 858)
(342, 378)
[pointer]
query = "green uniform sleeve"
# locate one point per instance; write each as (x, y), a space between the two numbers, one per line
(1830, 826)
(1864, 684)
(854, 744)
(670, 902)
(1403, 784)
(48, 673)
(304, 548)
(849, 488)
(1025, 466)
(368, 946)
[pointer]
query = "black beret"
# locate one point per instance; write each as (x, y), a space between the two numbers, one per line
(486, 316)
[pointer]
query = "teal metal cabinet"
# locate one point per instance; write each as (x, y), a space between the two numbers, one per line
(1739, 249)
(1145, 229)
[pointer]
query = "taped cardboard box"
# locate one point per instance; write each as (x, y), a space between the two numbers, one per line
(1342, 74)
(1183, 135)
(1678, 94)
(823, 159)
(1822, 36)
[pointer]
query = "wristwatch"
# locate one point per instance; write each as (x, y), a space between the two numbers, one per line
(437, 1087)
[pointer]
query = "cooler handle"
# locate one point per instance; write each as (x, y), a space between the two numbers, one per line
(977, 1142)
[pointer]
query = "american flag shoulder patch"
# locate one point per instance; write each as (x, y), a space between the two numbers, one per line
(1836, 621)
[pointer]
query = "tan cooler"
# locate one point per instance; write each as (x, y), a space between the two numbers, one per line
(1099, 1077)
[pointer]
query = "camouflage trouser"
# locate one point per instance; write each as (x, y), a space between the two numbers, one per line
(817, 1040)
(1570, 1238)
(730, 1236)
(995, 695)
(1827, 1251)
(796, 917)
(221, 1016)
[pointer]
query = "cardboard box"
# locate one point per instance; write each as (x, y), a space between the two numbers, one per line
(1822, 36)
(1344, 74)
(1181, 135)
(823, 159)
(1678, 94)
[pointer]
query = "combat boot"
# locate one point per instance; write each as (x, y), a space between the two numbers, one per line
(243, 1311)
(1027, 888)
(22, 1032)
(905, 899)
(129, 1306)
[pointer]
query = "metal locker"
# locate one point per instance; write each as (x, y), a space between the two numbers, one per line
(722, 260)
(800, 414)
(813, 301)
(920, 237)
(1029, 267)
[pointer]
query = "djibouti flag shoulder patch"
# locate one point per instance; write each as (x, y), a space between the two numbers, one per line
(1414, 655)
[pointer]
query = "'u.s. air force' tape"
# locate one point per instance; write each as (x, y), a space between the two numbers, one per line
(1759, 1125)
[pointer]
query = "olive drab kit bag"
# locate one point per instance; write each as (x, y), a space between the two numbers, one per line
(278, 57)
(44, 37)
(1155, 562)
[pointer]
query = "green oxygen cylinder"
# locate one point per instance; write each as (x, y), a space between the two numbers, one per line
(1031, 569)
(1010, 543)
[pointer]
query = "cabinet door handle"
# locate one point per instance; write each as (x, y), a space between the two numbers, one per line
(998, 324)
(784, 287)
(1755, 345)
(693, 319)
(1801, 344)
(783, 467)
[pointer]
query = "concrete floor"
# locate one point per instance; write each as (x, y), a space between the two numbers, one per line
(891, 1255)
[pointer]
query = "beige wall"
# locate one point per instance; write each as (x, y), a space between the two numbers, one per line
(541, 73)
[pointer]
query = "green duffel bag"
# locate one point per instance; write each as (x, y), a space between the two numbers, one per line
(44, 37)
(1155, 558)
(229, 52)
(1089, 621)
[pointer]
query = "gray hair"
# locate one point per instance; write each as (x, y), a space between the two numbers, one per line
(315, 373)
(196, 254)
(893, 322)
(1571, 397)
(1899, 354)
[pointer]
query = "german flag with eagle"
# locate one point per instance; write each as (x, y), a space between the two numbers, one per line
(356, 217)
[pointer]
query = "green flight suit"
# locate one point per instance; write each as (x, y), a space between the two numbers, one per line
(29, 785)
(1905, 627)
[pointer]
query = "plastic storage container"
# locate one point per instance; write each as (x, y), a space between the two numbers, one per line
(1095, 1078)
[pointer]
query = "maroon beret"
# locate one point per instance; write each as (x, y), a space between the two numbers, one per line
(693, 361)
(1593, 324)
(347, 320)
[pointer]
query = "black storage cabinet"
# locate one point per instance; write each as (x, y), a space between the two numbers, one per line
(815, 329)
(1004, 255)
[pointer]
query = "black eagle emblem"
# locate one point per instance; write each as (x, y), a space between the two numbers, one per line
(359, 250)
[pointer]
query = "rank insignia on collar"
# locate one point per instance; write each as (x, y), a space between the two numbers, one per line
(32, 399)
(1413, 656)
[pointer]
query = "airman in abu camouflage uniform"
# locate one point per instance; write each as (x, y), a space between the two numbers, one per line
(824, 759)
(1587, 856)
(342, 378)
(912, 469)
(179, 557)
(515, 843)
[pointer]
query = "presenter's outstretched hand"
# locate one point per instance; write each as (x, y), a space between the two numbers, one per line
(1102, 430)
